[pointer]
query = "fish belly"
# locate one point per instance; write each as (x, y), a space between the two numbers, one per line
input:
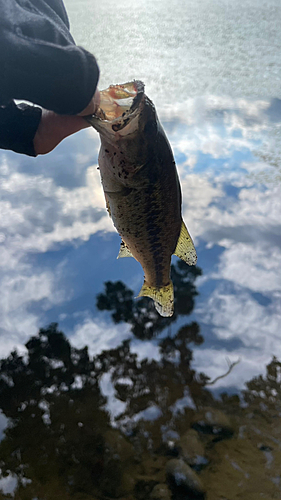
(148, 226)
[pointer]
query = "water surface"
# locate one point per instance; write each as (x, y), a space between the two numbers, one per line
(213, 70)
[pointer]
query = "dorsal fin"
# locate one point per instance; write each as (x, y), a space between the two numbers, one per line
(163, 298)
(124, 251)
(185, 249)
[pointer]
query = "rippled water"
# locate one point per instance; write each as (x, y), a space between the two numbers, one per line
(213, 70)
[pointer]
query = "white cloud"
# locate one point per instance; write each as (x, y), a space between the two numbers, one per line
(18, 292)
(195, 110)
(98, 335)
(238, 315)
(198, 193)
(113, 405)
(151, 413)
(146, 349)
(206, 125)
(214, 363)
(3, 423)
(255, 267)
(8, 484)
(253, 217)
(36, 214)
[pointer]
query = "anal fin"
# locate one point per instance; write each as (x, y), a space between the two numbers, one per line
(185, 249)
(163, 298)
(124, 251)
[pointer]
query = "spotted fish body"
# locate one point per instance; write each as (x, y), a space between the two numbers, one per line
(142, 188)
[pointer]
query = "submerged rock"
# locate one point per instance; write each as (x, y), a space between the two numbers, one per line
(118, 446)
(191, 449)
(117, 465)
(183, 477)
(127, 483)
(144, 487)
(161, 492)
(154, 467)
(212, 421)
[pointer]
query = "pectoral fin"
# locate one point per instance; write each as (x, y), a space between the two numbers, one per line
(185, 249)
(163, 298)
(124, 251)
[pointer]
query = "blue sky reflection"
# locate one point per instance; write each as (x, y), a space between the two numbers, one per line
(58, 245)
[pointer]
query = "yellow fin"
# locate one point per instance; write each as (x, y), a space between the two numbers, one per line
(124, 251)
(185, 249)
(163, 298)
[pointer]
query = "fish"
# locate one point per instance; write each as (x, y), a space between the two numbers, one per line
(142, 188)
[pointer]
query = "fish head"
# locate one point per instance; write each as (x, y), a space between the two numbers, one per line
(124, 112)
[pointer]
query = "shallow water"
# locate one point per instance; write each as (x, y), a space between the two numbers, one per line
(213, 70)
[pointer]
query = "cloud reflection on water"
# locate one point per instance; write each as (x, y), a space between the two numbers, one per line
(58, 245)
(243, 219)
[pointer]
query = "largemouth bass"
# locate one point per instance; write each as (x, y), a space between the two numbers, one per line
(142, 188)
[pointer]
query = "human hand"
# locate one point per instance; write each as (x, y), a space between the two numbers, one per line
(92, 106)
(53, 128)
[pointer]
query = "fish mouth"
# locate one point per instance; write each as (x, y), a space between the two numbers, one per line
(118, 106)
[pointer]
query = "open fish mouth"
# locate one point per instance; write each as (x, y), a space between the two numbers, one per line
(118, 106)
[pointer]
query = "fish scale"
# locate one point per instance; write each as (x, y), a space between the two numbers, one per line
(142, 188)
(145, 236)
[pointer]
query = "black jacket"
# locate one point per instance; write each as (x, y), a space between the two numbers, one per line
(39, 63)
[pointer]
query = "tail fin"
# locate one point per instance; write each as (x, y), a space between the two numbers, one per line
(163, 298)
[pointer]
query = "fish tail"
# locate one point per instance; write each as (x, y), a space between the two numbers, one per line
(163, 298)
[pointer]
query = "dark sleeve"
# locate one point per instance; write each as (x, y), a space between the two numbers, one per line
(18, 125)
(39, 60)
(39, 63)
